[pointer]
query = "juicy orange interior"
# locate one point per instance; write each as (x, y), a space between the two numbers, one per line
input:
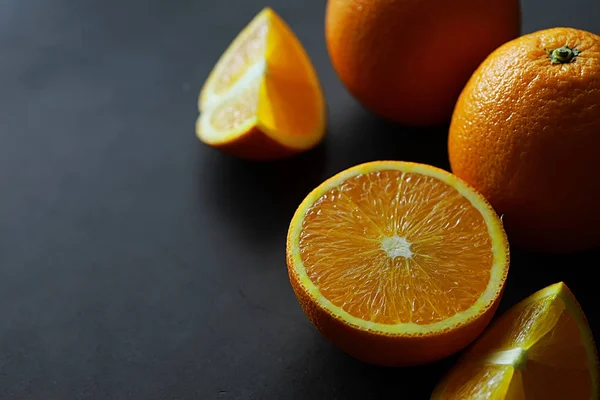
(237, 110)
(535, 349)
(480, 382)
(395, 247)
(238, 60)
(284, 95)
(292, 102)
(289, 107)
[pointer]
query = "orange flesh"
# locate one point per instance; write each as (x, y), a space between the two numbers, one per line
(285, 98)
(292, 101)
(393, 247)
(233, 113)
(249, 52)
(480, 382)
(292, 107)
(556, 364)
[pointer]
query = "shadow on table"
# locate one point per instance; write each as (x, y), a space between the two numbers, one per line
(259, 198)
(361, 136)
(324, 372)
(353, 377)
(530, 272)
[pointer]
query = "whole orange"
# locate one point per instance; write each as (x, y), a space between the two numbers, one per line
(526, 134)
(407, 60)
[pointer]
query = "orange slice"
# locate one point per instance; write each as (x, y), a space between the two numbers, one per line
(263, 99)
(542, 348)
(397, 263)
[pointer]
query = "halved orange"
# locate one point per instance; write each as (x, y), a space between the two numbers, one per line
(263, 99)
(542, 348)
(397, 263)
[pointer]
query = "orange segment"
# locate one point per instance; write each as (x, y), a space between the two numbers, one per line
(250, 51)
(543, 344)
(488, 382)
(232, 114)
(247, 50)
(400, 255)
(263, 99)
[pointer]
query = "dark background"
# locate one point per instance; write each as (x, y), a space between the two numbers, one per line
(137, 263)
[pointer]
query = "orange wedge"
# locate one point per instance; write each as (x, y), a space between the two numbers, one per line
(263, 99)
(397, 263)
(542, 348)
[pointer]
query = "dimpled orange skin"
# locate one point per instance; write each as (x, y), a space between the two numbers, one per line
(526, 134)
(407, 60)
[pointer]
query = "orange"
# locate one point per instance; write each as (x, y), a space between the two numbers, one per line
(526, 134)
(263, 99)
(542, 348)
(397, 263)
(408, 60)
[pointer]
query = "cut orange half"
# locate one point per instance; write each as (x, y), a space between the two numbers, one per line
(542, 348)
(263, 99)
(397, 263)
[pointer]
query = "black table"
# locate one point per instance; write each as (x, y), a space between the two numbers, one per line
(136, 263)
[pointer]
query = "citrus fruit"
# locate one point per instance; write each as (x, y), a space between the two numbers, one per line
(408, 60)
(542, 348)
(397, 263)
(526, 134)
(263, 99)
